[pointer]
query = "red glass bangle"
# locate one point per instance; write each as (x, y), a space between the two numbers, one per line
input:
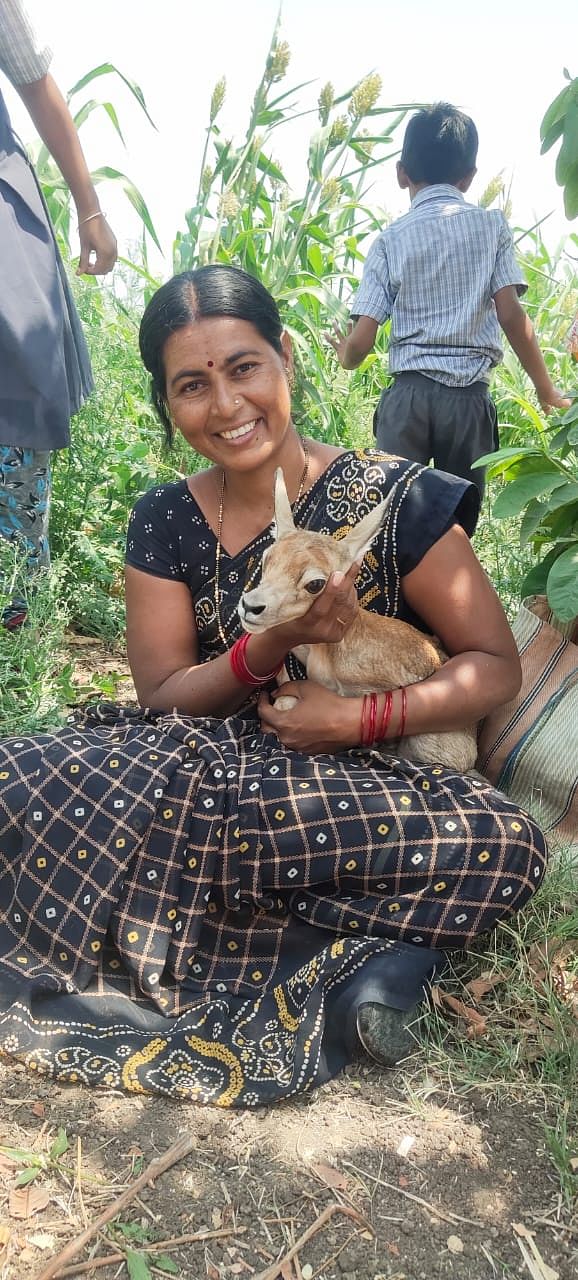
(386, 717)
(372, 718)
(401, 729)
(239, 666)
(363, 726)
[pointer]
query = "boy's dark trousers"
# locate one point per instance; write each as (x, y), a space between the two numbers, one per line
(420, 419)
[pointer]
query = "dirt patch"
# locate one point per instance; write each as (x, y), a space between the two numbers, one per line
(264, 1177)
(98, 668)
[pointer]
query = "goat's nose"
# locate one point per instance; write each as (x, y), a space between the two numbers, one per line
(253, 608)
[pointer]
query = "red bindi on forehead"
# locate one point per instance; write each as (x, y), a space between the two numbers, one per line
(210, 364)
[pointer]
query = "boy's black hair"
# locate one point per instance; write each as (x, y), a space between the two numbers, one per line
(440, 145)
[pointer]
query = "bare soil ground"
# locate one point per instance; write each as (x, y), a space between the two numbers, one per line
(259, 1180)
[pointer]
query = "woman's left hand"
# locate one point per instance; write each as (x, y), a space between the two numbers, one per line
(321, 722)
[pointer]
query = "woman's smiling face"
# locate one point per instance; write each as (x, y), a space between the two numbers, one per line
(227, 390)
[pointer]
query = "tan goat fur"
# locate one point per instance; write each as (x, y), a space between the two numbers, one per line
(375, 654)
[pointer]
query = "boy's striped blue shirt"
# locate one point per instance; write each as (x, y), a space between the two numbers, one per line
(435, 272)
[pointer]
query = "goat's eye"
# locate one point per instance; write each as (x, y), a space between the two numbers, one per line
(315, 586)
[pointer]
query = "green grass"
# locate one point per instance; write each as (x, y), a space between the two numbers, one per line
(529, 1052)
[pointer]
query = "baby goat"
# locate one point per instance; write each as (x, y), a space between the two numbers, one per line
(375, 654)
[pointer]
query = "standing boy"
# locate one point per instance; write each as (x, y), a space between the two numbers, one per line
(447, 275)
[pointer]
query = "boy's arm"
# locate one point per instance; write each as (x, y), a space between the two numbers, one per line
(519, 331)
(352, 347)
(370, 307)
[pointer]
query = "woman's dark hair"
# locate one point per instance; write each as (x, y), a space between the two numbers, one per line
(440, 145)
(193, 295)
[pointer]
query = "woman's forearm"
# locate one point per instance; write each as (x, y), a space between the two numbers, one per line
(211, 688)
(460, 694)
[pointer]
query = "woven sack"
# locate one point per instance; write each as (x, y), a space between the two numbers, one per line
(529, 747)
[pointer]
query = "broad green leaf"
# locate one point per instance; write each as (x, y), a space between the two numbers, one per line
(137, 1266)
(21, 1155)
(514, 496)
(563, 495)
(105, 69)
(560, 440)
(531, 520)
(554, 132)
(534, 583)
(566, 157)
(132, 193)
(571, 192)
(562, 585)
(573, 435)
(494, 460)
(556, 110)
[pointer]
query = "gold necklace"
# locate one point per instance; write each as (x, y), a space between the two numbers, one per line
(302, 483)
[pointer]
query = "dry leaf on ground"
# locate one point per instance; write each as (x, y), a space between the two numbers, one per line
(479, 987)
(5, 1237)
(24, 1201)
(331, 1176)
(539, 1270)
(565, 977)
(41, 1240)
(476, 1023)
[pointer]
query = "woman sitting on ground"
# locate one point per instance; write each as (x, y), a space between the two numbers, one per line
(216, 899)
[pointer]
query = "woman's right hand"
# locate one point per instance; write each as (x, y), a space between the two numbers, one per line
(329, 616)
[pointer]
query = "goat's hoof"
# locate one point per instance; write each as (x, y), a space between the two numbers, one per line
(285, 703)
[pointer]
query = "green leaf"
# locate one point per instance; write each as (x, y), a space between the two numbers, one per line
(105, 69)
(87, 109)
(562, 585)
(21, 1155)
(563, 495)
(132, 193)
(514, 496)
(556, 111)
(568, 152)
(552, 136)
(571, 193)
(494, 460)
(59, 1146)
(137, 1266)
(266, 165)
(531, 520)
(317, 152)
(26, 1176)
(164, 1263)
(534, 583)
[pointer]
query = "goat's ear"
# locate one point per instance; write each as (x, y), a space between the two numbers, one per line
(361, 537)
(284, 522)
